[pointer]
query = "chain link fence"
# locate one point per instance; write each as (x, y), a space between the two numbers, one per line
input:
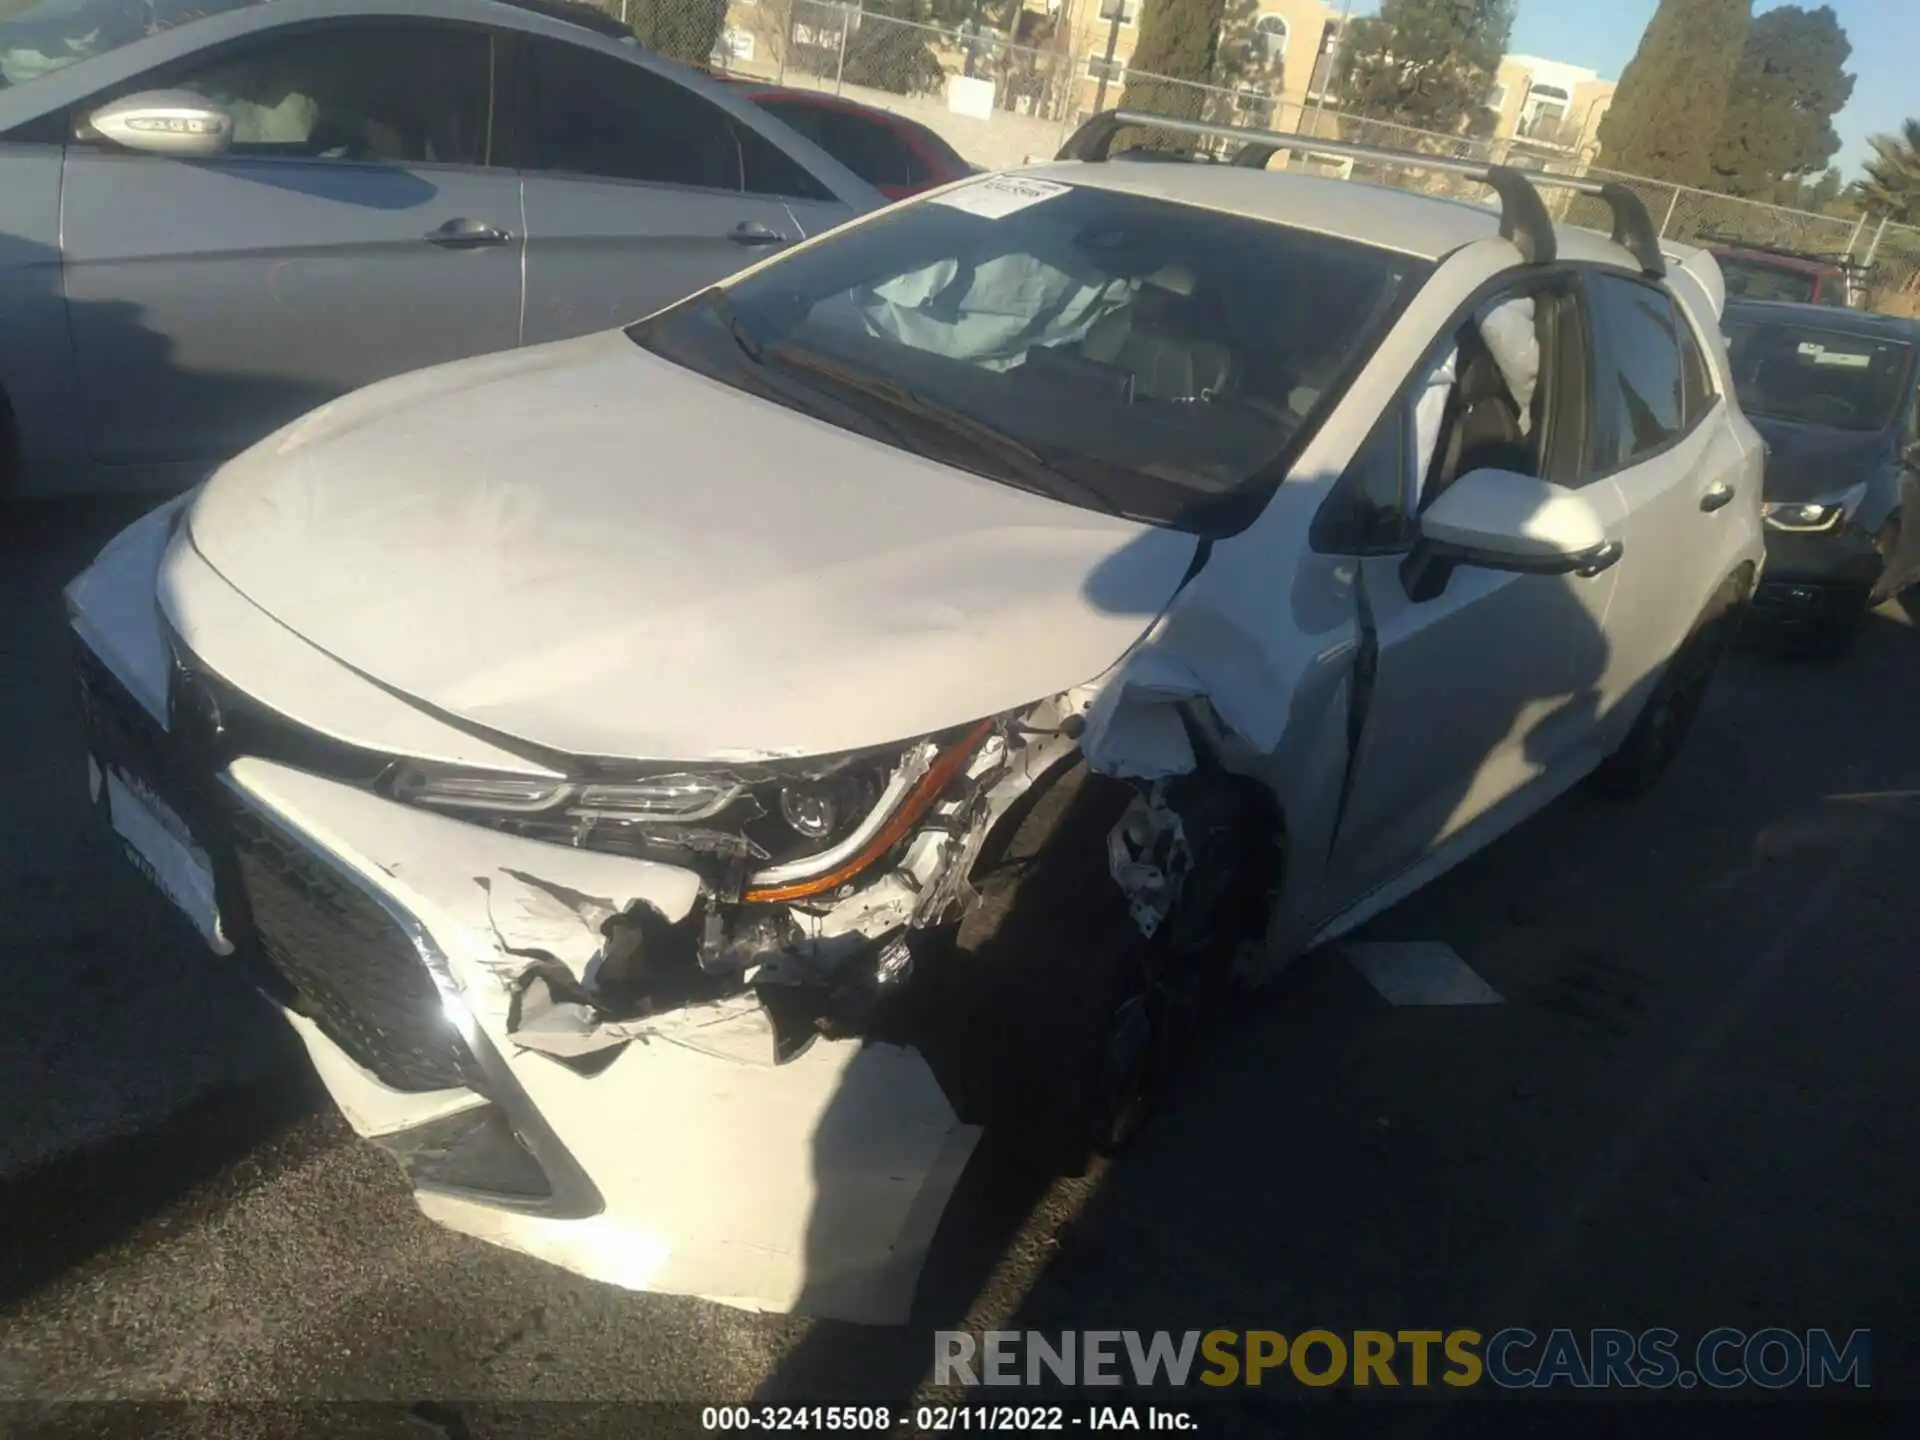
(1004, 99)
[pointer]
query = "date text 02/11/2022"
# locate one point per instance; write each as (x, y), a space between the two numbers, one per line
(942, 1419)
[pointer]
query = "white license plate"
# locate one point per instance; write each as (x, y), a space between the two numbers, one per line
(163, 849)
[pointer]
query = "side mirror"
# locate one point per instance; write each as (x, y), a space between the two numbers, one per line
(166, 122)
(1500, 520)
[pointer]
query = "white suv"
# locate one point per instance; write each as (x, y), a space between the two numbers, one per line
(680, 783)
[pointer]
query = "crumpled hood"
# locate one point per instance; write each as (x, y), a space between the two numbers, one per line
(585, 547)
(1811, 462)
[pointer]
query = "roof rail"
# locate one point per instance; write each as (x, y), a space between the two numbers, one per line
(1523, 215)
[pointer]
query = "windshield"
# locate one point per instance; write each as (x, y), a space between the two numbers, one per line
(1123, 353)
(1757, 280)
(1818, 377)
(39, 38)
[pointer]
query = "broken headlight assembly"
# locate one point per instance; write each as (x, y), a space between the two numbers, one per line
(801, 828)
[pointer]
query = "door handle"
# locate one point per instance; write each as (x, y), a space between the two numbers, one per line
(1716, 496)
(752, 232)
(460, 233)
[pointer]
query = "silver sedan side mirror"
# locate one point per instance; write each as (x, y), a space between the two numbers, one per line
(166, 122)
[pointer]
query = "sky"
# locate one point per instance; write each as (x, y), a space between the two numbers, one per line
(1603, 34)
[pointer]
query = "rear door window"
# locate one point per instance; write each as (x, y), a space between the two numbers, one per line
(1639, 394)
(584, 113)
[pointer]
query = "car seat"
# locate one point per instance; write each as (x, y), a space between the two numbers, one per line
(1160, 339)
(1482, 428)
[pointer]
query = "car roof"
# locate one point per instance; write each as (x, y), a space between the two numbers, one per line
(1826, 317)
(1426, 226)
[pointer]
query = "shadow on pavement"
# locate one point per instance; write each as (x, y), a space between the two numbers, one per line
(134, 1065)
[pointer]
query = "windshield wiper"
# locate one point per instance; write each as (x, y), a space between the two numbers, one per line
(1037, 470)
(736, 328)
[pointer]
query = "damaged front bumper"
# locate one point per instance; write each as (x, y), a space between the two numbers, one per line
(530, 1028)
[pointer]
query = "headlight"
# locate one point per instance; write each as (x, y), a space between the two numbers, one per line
(508, 793)
(1814, 514)
(802, 827)
(1801, 517)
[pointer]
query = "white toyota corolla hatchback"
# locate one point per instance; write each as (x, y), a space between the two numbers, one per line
(682, 783)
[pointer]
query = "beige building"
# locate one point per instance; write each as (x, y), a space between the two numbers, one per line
(1295, 39)
(1549, 102)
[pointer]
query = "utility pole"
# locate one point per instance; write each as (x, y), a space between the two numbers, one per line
(1119, 8)
(1333, 55)
(1874, 248)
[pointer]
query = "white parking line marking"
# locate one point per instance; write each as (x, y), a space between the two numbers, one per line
(1419, 972)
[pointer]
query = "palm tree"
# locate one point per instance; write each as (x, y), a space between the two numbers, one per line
(1892, 184)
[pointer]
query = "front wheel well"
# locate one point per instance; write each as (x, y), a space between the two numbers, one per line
(1742, 579)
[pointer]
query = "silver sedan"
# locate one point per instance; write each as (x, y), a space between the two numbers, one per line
(212, 222)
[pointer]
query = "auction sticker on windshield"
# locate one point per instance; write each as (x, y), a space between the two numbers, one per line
(999, 196)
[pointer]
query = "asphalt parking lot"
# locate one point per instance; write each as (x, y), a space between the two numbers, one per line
(1693, 1108)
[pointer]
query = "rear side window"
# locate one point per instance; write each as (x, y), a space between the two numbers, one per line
(1696, 385)
(1639, 401)
(869, 149)
(593, 114)
(1757, 280)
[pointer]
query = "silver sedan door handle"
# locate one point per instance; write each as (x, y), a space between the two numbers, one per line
(1716, 496)
(752, 232)
(460, 233)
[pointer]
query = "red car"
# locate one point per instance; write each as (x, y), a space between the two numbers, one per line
(897, 156)
(1759, 272)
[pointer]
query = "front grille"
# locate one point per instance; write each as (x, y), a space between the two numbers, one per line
(120, 729)
(364, 981)
(355, 969)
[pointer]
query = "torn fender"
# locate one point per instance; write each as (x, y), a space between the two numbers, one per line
(1135, 728)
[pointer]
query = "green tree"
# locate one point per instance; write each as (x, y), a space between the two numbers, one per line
(883, 55)
(1778, 131)
(1426, 63)
(685, 30)
(1821, 195)
(1666, 116)
(1247, 69)
(1179, 40)
(1891, 185)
